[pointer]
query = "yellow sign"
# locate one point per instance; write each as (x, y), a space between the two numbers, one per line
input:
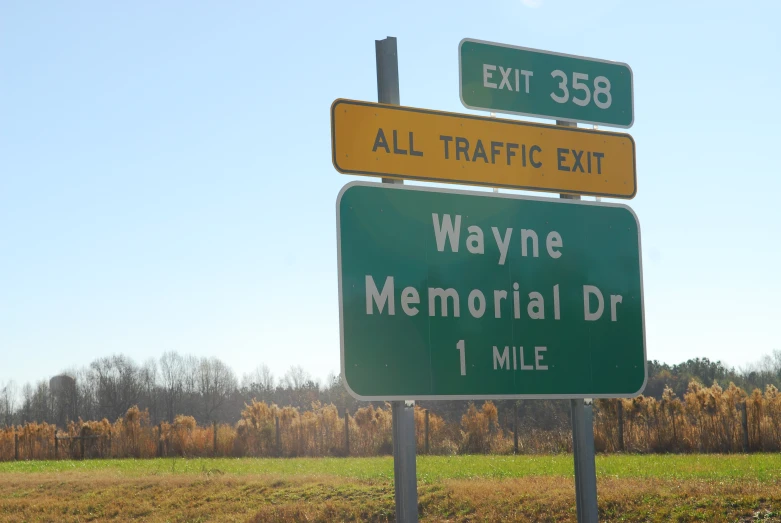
(402, 142)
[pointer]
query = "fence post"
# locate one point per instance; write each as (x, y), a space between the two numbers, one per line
(427, 446)
(279, 440)
(214, 424)
(620, 414)
(346, 432)
(745, 425)
(81, 441)
(56, 445)
(16, 447)
(515, 428)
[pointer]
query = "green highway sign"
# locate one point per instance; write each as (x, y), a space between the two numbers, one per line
(530, 82)
(455, 295)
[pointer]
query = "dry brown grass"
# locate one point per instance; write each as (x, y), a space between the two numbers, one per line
(552, 499)
(213, 496)
(705, 420)
(72, 497)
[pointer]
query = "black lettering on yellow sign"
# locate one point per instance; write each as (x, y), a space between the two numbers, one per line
(381, 141)
(462, 148)
(402, 142)
(593, 160)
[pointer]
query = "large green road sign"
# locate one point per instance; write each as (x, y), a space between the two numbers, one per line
(452, 294)
(518, 80)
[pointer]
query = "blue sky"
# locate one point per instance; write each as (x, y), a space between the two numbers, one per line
(166, 182)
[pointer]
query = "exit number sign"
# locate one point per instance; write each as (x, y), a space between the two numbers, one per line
(530, 82)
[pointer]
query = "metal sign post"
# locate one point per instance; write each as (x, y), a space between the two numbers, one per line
(582, 419)
(404, 471)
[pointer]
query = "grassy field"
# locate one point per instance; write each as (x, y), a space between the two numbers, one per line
(461, 488)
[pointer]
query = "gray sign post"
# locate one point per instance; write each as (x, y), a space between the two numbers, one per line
(582, 419)
(404, 472)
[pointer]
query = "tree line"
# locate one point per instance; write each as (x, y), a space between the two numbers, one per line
(210, 391)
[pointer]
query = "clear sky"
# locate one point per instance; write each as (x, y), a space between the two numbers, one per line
(166, 180)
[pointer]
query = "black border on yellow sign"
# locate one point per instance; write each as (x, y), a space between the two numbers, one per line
(500, 121)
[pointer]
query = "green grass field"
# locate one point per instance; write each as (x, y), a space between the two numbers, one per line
(459, 488)
(758, 467)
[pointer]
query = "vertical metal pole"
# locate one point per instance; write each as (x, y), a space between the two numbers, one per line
(387, 71)
(515, 428)
(744, 423)
(582, 417)
(404, 472)
(620, 416)
(583, 438)
(387, 77)
(16, 447)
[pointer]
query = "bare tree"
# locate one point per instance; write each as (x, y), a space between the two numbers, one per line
(27, 403)
(216, 382)
(86, 395)
(259, 383)
(296, 377)
(118, 384)
(148, 377)
(172, 377)
(303, 390)
(190, 393)
(8, 403)
(42, 401)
